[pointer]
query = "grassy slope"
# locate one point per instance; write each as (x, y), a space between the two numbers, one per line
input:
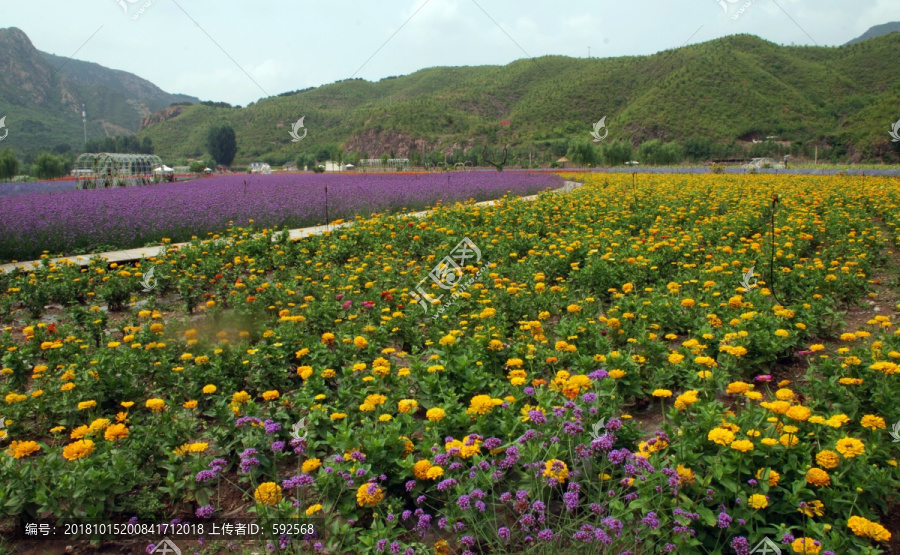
(723, 89)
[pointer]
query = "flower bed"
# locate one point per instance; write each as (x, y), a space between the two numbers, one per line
(135, 216)
(615, 381)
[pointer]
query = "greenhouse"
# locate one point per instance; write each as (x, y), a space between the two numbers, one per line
(106, 170)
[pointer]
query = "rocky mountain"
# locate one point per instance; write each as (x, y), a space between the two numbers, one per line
(838, 102)
(42, 95)
(877, 31)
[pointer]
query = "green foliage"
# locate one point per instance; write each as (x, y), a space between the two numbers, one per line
(9, 164)
(222, 144)
(197, 167)
(49, 166)
(617, 153)
(123, 144)
(657, 153)
(583, 154)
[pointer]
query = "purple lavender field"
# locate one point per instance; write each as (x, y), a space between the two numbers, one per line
(71, 222)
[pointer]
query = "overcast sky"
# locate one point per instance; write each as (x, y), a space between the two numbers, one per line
(239, 52)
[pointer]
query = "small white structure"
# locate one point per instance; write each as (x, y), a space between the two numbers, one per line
(335, 167)
(260, 167)
(164, 173)
(763, 163)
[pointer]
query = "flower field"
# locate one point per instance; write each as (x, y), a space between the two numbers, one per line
(66, 222)
(614, 381)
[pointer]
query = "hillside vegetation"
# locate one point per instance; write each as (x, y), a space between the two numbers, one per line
(840, 99)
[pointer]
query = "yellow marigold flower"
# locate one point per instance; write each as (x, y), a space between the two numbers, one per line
(737, 388)
(268, 493)
(116, 432)
(57, 429)
(435, 414)
(784, 395)
(420, 469)
(434, 473)
(662, 393)
(360, 342)
(385, 418)
(688, 302)
(329, 373)
(15, 398)
(782, 333)
(799, 412)
(313, 509)
(495, 345)
(686, 399)
(209, 389)
(84, 405)
(22, 449)
(788, 440)
(872, 422)
(447, 340)
(758, 501)
(812, 508)
(482, 404)
(369, 495)
(555, 468)
(338, 416)
(190, 405)
(806, 545)
(773, 477)
(80, 432)
(867, 529)
(850, 447)
(768, 441)
(156, 405)
(99, 424)
(676, 358)
(78, 449)
(827, 459)
(685, 475)
(848, 337)
(778, 407)
(328, 338)
(66, 387)
(720, 436)
(311, 465)
(818, 477)
(704, 374)
(240, 398)
(617, 374)
(407, 405)
(742, 445)
(271, 395)
(709, 362)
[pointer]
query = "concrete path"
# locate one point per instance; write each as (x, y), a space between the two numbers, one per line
(134, 255)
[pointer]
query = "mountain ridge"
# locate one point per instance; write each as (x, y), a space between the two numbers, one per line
(42, 96)
(736, 88)
(877, 31)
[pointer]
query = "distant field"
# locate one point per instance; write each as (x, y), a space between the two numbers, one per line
(71, 222)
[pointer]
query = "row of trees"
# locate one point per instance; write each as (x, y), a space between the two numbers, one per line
(123, 144)
(46, 165)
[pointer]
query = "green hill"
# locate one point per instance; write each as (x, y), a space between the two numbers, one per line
(41, 96)
(739, 88)
(877, 31)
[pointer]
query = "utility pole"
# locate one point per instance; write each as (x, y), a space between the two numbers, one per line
(84, 120)
(589, 51)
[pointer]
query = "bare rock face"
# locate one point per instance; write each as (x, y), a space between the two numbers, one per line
(161, 116)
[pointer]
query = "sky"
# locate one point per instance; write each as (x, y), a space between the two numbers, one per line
(239, 52)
